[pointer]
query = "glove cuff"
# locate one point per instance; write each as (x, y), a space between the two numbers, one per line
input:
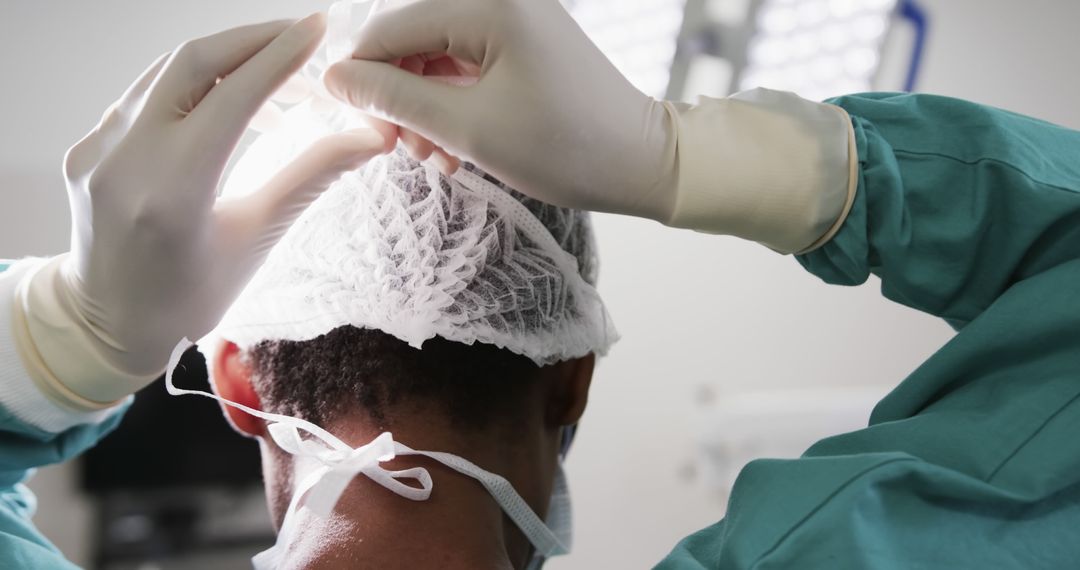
(59, 349)
(764, 165)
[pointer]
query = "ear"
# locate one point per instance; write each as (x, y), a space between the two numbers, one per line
(231, 379)
(570, 390)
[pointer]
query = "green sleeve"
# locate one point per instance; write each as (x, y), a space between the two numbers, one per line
(956, 203)
(23, 448)
(971, 214)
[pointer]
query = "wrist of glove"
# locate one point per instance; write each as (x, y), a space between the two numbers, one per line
(66, 356)
(763, 165)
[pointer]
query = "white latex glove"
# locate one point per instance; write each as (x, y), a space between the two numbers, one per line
(550, 115)
(155, 257)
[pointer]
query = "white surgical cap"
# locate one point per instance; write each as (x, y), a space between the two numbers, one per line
(398, 247)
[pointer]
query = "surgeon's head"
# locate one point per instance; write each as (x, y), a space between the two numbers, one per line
(458, 321)
(491, 406)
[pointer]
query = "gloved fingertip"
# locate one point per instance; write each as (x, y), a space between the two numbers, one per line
(419, 147)
(304, 33)
(389, 131)
(366, 142)
(387, 134)
(445, 162)
(314, 23)
(333, 78)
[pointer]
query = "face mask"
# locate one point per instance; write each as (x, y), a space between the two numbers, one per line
(559, 520)
(339, 463)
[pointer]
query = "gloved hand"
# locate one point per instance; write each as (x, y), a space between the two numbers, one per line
(550, 115)
(155, 257)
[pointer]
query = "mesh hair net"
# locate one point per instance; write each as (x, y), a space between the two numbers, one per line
(397, 246)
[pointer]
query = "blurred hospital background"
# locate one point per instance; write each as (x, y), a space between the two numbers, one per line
(729, 351)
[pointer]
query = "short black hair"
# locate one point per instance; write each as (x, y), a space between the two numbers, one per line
(351, 369)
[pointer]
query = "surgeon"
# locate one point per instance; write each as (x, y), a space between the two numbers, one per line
(412, 402)
(965, 212)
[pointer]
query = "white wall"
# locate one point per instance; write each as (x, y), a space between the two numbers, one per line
(700, 315)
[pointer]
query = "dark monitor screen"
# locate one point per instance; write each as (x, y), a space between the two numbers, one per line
(170, 441)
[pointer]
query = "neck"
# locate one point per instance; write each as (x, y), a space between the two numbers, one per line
(459, 526)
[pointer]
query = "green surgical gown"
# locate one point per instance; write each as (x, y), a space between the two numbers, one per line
(966, 212)
(973, 461)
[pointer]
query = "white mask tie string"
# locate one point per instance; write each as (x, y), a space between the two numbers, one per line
(344, 464)
(341, 463)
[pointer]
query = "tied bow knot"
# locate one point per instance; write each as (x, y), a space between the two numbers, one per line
(342, 463)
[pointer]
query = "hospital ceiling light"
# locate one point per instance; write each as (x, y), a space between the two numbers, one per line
(638, 36)
(816, 48)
